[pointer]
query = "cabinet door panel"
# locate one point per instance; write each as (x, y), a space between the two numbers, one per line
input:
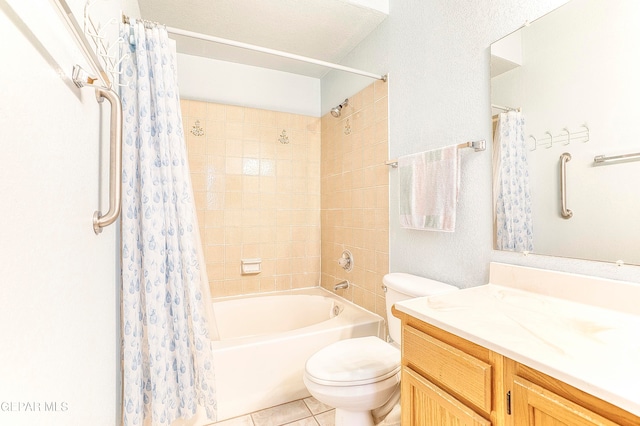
(534, 405)
(424, 403)
(462, 374)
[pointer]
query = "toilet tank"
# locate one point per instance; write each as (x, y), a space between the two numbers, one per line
(401, 286)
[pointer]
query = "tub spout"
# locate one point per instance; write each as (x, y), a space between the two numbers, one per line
(341, 285)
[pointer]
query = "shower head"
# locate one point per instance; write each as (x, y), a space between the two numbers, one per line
(335, 111)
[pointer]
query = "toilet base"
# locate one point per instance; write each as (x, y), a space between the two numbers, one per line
(353, 418)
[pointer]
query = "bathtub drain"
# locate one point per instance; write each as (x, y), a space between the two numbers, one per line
(336, 310)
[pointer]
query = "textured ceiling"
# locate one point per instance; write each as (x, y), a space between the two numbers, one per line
(321, 29)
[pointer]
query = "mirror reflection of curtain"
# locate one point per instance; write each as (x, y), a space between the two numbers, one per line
(512, 194)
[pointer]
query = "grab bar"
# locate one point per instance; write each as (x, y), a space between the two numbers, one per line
(115, 158)
(566, 213)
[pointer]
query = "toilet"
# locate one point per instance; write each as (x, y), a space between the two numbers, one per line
(360, 377)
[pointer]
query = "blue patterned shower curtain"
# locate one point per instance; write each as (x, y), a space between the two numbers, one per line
(512, 195)
(166, 357)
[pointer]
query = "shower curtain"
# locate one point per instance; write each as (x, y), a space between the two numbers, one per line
(166, 358)
(512, 197)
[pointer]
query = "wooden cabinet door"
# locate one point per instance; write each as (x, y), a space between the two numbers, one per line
(424, 403)
(534, 405)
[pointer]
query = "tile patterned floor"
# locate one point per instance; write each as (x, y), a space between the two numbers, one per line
(303, 412)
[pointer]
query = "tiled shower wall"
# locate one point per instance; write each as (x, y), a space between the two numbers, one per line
(355, 196)
(256, 179)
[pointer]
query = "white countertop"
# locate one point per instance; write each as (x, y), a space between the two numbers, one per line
(592, 348)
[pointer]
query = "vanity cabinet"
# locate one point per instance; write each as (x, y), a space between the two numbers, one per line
(535, 405)
(447, 380)
(432, 405)
(538, 399)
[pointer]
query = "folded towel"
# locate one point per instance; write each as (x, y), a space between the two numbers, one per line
(428, 190)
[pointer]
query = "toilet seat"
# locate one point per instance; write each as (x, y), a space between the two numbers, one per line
(353, 362)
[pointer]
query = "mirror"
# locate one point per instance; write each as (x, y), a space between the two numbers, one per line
(574, 74)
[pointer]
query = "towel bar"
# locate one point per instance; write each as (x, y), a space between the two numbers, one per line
(604, 158)
(480, 145)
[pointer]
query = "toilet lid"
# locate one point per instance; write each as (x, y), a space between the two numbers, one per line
(353, 362)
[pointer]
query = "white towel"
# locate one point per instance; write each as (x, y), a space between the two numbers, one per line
(428, 189)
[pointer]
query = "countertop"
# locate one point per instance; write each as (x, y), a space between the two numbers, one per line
(593, 348)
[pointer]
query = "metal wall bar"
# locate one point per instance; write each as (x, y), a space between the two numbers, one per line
(505, 108)
(565, 212)
(480, 145)
(603, 158)
(115, 169)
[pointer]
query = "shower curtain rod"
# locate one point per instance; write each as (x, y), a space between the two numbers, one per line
(266, 50)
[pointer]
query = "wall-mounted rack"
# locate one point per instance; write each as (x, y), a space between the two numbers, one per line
(105, 43)
(564, 137)
(96, 40)
(81, 39)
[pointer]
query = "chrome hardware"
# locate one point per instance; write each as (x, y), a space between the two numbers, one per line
(343, 285)
(115, 169)
(566, 213)
(477, 146)
(346, 261)
(335, 311)
(604, 158)
(384, 288)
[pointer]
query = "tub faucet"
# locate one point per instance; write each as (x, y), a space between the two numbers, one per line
(341, 285)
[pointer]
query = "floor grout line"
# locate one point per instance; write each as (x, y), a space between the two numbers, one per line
(250, 416)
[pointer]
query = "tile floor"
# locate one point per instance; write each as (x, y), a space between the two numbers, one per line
(303, 412)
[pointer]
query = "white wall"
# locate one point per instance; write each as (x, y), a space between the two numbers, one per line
(437, 55)
(229, 83)
(58, 309)
(575, 72)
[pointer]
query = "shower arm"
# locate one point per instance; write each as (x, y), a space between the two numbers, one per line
(115, 160)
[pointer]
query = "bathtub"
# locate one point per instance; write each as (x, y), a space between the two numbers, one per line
(265, 340)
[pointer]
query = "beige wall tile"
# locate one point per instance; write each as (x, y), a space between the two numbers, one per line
(251, 192)
(216, 112)
(295, 205)
(198, 109)
(354, 197)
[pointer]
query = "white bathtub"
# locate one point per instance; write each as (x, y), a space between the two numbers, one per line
(266, 339)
